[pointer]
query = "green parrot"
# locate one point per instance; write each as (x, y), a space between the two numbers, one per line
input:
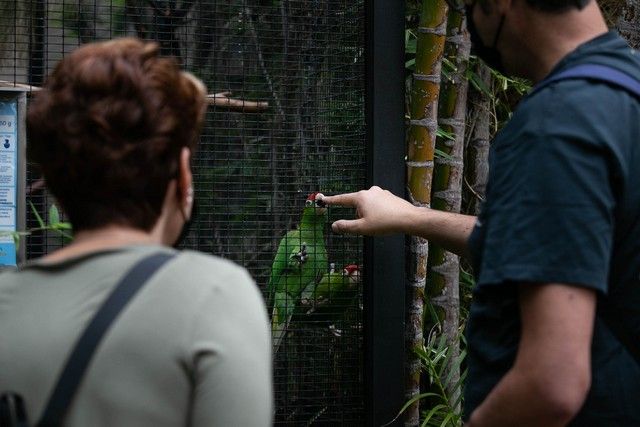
(300, 261)
(333, 293)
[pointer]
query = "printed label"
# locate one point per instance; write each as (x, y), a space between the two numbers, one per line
(8, 180)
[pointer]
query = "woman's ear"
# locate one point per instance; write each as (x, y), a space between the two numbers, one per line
(185, 183)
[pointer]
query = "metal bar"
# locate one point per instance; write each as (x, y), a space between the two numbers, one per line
(21, 208)
(384, 256)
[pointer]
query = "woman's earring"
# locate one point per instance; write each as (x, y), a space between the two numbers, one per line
(189, 198)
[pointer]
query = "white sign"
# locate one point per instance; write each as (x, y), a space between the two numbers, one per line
(7, 123)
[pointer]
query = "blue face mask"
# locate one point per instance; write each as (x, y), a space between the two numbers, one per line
(489, 54)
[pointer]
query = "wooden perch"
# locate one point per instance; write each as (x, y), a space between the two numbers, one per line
(5, 83)
(218, 99)
(222, 100)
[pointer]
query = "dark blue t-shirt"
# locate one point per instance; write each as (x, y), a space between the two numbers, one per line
(563, 206)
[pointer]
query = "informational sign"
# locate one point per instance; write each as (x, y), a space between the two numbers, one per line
(8, 180)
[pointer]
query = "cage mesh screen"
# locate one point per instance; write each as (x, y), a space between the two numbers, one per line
(256, 163)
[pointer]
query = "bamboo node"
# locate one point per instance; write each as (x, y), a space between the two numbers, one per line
(428, 123)
(433, 78)
(427, 164)
(440, 30)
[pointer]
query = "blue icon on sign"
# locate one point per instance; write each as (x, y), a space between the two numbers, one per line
(6, 143)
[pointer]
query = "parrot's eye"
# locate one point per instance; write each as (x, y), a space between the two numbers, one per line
(309, 203)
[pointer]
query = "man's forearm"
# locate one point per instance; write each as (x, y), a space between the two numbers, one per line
(518, 401)
(447, 229)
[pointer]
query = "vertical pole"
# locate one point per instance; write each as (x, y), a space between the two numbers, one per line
(21, 197)
(384, 298)
(37, 25)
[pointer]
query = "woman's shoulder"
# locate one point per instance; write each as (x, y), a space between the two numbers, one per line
(208, 273)
(209, 265)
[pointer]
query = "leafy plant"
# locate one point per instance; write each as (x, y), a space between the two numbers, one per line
(444, 400)
(54, 224)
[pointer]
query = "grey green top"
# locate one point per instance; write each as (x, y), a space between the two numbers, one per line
(563, 206)
(192, 348)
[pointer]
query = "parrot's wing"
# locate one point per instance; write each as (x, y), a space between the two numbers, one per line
(306, 296)
(320, 288)
(287, 244)
(283, 307)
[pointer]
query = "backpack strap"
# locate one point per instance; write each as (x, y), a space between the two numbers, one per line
(12, 411)
(85, 347)
(598, 72)
(619, 79)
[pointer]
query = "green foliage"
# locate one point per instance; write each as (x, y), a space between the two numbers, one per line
(439, 362)
(504, 93)
(54, 224)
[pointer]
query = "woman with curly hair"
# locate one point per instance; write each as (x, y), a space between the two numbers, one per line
(113, 131)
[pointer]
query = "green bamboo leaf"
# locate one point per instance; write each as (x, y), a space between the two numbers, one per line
(62, 226)
(38, 217)
(444, 134)
(449, 65)
(54, 215)
(16, 239)
(449, 418)
(441, 154)
(415, 398)
(435, 410)
(479, 84)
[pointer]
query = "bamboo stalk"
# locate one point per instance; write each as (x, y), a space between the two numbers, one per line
(446, 193)
(476, 163)
(420, 157)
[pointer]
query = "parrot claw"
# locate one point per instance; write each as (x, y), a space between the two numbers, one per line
(302, 255)
(335, 331)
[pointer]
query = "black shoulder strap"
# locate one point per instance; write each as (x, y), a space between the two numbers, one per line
(624, 81)
(86, 345)
(597, 72)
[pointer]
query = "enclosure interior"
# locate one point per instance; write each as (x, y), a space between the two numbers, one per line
(256, 163)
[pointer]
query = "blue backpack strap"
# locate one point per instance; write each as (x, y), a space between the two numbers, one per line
(598, 72)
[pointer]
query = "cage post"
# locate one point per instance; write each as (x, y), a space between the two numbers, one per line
(384, 298)
(13, 107)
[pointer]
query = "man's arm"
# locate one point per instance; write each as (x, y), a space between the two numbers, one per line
(379, 212)
(552, 373)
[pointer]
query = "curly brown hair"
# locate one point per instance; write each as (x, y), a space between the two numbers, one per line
(108, 128)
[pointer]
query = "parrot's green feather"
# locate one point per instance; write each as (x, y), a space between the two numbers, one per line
(331, 295)
(301, 259)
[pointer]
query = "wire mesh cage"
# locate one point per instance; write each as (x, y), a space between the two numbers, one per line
(287, 120)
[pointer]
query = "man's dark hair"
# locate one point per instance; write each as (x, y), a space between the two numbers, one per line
(557, 5)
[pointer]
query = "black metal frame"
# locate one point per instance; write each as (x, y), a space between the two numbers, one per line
(384, 299)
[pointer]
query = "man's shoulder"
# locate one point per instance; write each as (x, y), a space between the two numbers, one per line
(580, 108)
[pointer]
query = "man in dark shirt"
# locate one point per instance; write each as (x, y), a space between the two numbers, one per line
(556, 248)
